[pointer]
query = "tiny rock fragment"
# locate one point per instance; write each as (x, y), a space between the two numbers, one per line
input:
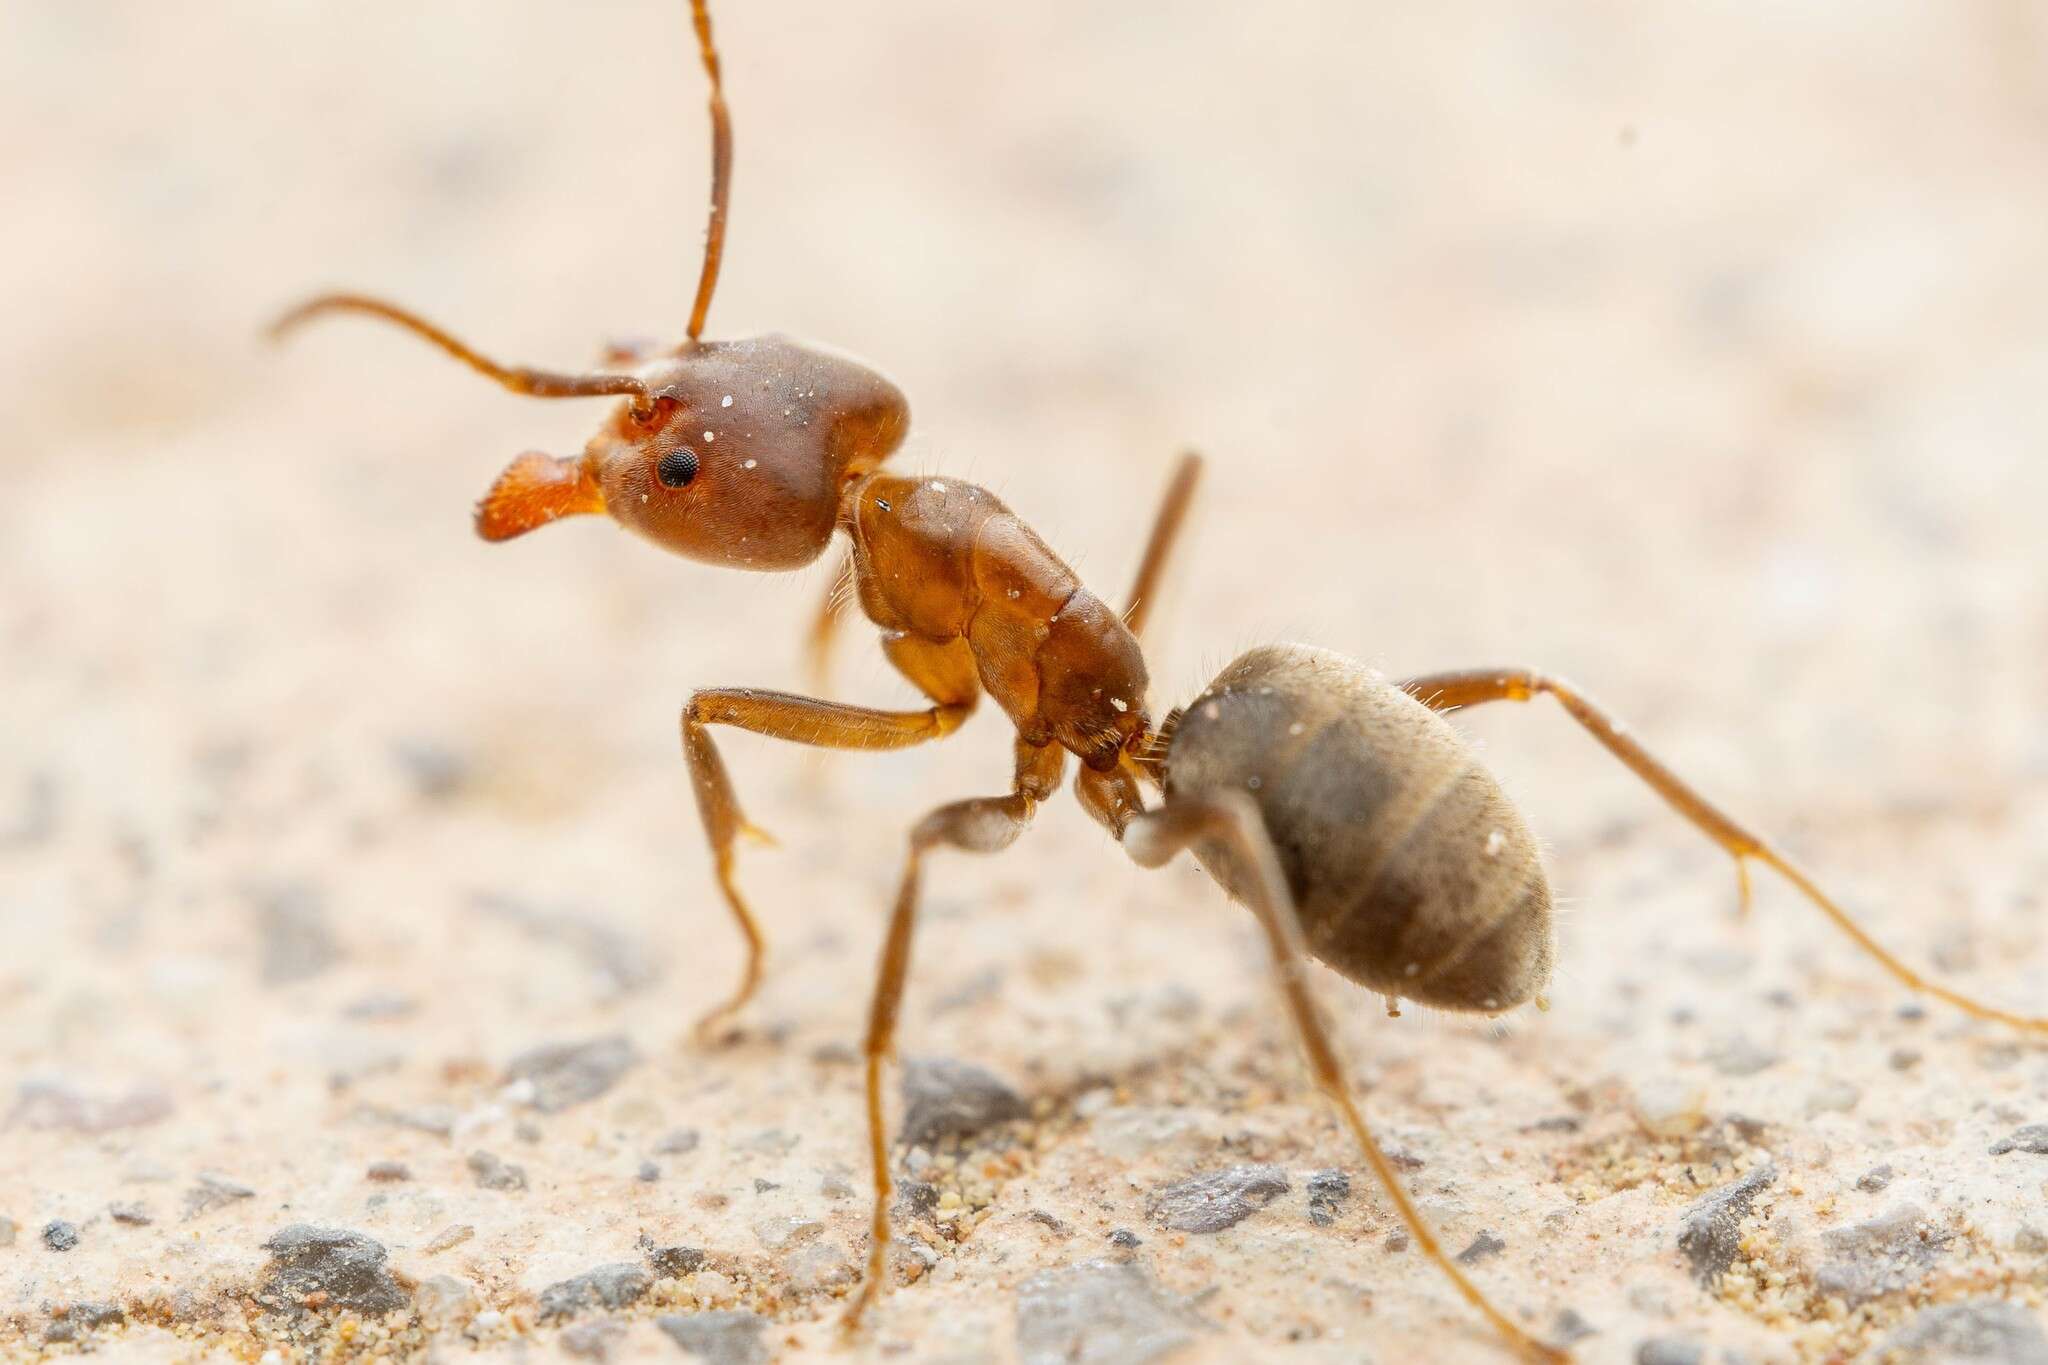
(819, 1267)
(608, 1286)
(1875, 1179)
(1739, 1055)
(1710, 1232)
(916, 1199)
(677, 1142)
(564, 1075)
(1670, 1351)
(1327, 1191)
(2032, 1138)
(445, 1301)
(53, 1104)
(59, 1235)
(728, 1338)
(1217, 1200)
(1988, 1330)
(292, 922)
(388, 1172)
(1889, 1253)
(454, 1235)
(648, 1173)
(1832, 1095)
(214, 1192)
(673, 1263)
(347, 1267)
(947, 1098)
(1483, 1246)
(1097, 1311)
(131, 1214)
(493, 1173)
(436, 770)
(593, 1340)
(780, 1234)
(1124, 1238)
(1570, 1327)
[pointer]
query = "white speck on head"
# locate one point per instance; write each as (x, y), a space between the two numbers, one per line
(938, 487)
(1495, 842)
(643, 497)
(1013, 594)
(1296, 728)
(1255, 782)
(748, 464)
(709, 436)
(1265, 691)
(1119, 703)
(1412, 969)
(1211, 711)
(1490, 1003)
(726, 401)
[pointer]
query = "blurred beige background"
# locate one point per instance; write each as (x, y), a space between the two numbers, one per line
(1696, 351)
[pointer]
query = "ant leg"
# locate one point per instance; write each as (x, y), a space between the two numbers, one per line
(1166, 525)
(1444, 691)
(982, 825)
(1152, 838)
(937, 671)
(825, 625)
(519, 379)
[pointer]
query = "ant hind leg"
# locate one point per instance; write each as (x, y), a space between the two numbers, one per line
(1447, 691)
(1153, 838)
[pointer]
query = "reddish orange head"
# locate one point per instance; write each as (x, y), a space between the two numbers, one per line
(737, 456)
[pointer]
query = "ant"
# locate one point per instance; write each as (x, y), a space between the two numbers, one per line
(1337, 805)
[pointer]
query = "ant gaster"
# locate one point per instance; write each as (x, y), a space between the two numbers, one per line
(1338, 806)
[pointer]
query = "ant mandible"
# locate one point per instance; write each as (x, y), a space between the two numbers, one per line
(1337, 805)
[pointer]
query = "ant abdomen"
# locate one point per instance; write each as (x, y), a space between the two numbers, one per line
(1412, 872)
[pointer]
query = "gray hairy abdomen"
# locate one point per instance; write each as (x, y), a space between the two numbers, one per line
(1412, 873)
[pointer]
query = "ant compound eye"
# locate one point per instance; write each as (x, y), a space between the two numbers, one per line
(677, 467)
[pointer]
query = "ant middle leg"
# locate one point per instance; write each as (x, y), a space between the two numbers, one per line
(987, 824)
(1447, 691)
(1153, 838)
(942, 672)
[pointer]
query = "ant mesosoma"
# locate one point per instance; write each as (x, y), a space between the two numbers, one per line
(1339, 806)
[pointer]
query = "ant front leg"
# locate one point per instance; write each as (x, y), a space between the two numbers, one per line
(1152, 838)
(945, 673)
(1446, 691)
(987, 824)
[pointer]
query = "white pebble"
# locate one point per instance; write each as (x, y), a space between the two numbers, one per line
(726, 401)
(748, 464)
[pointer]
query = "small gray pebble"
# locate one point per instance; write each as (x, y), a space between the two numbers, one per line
(59, 1235)
(1875, 1179)
(1216, 1200)
(133, 1215)
(1710, 1233)
(726, 1338)
(1483, 1246)
(1868, 1260)
(564, 1075)
(946, 1098)
(494, 1174)
(1989, 1330)
(2032, 1138)
(675, 1262)
(214, 1192)
(1570, 1327)
(677, 1142)
(648, 1173)
(1107, 1311)
(1327, 1191)
(609, 1286)
(1670, 1351)
(347, 1266)
(593, 1340)
(388, 1171)
(1124, 1237)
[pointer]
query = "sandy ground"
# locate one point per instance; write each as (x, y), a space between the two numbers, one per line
(1699, 352)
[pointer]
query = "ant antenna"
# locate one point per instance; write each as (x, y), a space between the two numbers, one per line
(518, 378)
(1166, 524)
(721, 169)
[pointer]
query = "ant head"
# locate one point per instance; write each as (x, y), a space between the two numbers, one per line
(736, 455)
